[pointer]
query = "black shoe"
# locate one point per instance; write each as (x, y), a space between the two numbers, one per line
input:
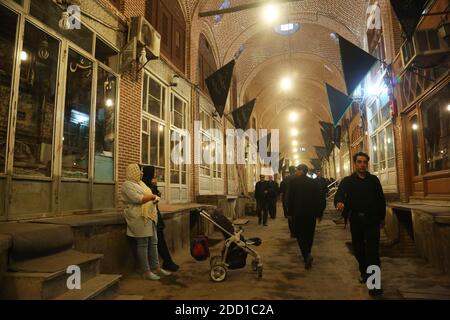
(171, 267)
(376, 292)
(308, 262)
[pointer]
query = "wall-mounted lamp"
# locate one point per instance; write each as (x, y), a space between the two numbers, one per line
(143, 57)
(175, 80)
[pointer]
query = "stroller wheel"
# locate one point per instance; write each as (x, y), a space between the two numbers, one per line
(260, 272)
(215, 260)
(218, 273)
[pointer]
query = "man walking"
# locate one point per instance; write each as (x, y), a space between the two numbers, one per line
(322, 183)
(261, 191)
(360, 198)
(284, 189)
(272, 197)
(305, 205)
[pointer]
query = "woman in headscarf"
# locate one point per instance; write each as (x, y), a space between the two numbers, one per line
(151, 181)
(140, 214)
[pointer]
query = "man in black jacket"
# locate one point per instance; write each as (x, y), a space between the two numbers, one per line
(272, 196)
(360, 198)
(284, 189)
(262, 207)
(305, 205)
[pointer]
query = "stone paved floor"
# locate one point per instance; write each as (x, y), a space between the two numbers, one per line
(333, 276)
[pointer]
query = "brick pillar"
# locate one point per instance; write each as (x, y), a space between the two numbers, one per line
(129, 139)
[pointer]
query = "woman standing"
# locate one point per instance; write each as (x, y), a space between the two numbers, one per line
(150, 180)
(140, 214)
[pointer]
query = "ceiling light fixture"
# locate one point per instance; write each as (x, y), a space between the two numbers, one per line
(270, 13)
(295, 143)
(294, 132)
(293, 116)
(286, 84)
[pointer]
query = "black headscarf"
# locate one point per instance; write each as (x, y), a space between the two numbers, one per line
(149, 174)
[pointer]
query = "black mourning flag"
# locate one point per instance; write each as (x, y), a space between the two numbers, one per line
(219, 85)
(321, 152)
(333, 133)
(327, 141)
(337, 132)
(338, 102)
(242, 115)
(356, 63)
(316, 163)
(408, 13)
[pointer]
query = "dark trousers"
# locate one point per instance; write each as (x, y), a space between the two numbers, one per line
(262, 211)
(163, 250)
(365, 242)
(305, 229)
(273, 208)
(285, 210)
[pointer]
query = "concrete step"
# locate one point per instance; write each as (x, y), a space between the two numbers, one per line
(102, 287)
(46, 277)
(129, 298)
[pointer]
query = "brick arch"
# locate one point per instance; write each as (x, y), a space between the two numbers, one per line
(198, 29)
(323, 21)
(242, 87)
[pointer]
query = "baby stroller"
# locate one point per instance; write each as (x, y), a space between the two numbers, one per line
(235, 251)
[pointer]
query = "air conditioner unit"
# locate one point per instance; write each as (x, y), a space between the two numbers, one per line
(427, 49)
(146, 36)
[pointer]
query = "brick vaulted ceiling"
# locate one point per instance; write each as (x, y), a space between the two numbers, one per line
(309, 56)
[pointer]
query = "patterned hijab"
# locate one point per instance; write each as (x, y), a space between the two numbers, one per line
(133, 173)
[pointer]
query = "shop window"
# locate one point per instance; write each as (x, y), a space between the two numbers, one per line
(7, 47)
(416, 151)
(49, 13)
(382, 151)
(375, 154)
(105, 126)
(436, 130)
(390, 149)
(106, 55)
(154, 97)
(178, 112)
(75, 161)
(36, 107)
(153, 146)
(178, 171)
(206, 155)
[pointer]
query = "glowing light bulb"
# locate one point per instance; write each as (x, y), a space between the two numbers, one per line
(23, 56)
(415, 126)
(109, 103)
(270, 13)
(294, 132)
(286, 84)
(293, 116)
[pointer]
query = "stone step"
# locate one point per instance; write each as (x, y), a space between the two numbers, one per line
(102, 287)
(129, 298)
(46, 277)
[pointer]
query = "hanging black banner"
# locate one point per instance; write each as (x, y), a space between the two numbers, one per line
(316, 163)
(321, 152)
(327, 142)
(356, 63)
(333, 133)
(242, 115)
(408, 13)
(219, 85)
(338, 102)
